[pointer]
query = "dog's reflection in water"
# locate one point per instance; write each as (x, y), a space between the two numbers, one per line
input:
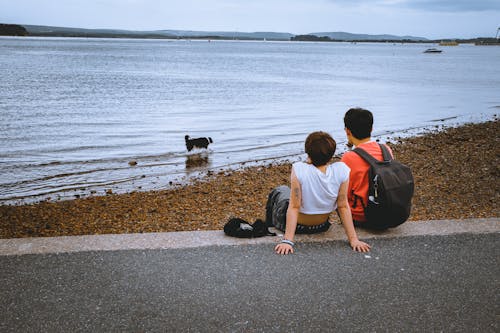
(197, 160)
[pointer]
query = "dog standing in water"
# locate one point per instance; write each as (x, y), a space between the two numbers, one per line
(197, 142)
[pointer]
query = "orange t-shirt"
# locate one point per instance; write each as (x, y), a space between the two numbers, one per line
(358, 179)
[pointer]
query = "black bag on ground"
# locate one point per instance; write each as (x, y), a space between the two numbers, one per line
(240, 228)
(390, 191)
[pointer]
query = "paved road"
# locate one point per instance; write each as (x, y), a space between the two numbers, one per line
(410, 284)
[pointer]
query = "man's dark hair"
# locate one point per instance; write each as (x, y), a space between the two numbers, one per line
(320, 147)
(360, 122)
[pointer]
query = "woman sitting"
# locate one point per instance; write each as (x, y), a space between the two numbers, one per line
(318, 187)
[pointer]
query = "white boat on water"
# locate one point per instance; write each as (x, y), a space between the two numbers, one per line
(433, 50)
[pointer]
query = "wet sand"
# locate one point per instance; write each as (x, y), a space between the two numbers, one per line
(456, 176)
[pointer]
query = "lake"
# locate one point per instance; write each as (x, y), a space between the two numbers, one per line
(75, 111)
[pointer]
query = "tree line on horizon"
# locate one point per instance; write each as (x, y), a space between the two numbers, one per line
(13, 30)
(314, 38)
(20, 30)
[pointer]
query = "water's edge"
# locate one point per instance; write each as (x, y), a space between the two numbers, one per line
(197, 169)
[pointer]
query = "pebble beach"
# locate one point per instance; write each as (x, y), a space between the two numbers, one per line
(456, 173)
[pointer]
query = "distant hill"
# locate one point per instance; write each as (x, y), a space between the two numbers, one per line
(38, 30)
(232, 34)
(41, 30)
(346, 36)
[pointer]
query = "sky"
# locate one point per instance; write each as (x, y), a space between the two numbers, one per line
(432, 19)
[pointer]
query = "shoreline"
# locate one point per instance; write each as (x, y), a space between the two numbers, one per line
(456, 175)
(194, 166)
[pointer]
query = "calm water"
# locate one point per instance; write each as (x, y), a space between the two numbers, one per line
(74, 112)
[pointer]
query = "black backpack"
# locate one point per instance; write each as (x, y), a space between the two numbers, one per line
(240, 228)
(390, 191)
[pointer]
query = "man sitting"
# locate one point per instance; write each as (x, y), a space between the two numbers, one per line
(358, 128)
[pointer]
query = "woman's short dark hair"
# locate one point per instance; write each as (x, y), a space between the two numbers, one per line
(320, 147)
(360, 122)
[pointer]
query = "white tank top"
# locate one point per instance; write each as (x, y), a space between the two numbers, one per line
(320, 190)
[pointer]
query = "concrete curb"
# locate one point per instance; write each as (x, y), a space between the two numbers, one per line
(190, 239)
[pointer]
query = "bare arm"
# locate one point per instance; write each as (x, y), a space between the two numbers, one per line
(346, 217)
(292, 215)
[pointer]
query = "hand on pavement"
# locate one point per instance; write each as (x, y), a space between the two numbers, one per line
(283, 248)
(360, 246)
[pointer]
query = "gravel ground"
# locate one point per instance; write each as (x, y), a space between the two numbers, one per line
(456, 174)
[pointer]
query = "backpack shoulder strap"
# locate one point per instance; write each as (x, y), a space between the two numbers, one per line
(364, 155)
(385, 152)
(372, 160)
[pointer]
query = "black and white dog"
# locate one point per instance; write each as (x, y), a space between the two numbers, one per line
(197, 142)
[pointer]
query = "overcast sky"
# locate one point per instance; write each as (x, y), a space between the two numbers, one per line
(424, 18)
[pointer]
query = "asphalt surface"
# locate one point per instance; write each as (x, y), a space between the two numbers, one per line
(410, 284)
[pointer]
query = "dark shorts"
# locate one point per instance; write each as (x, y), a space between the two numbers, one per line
(276, 207)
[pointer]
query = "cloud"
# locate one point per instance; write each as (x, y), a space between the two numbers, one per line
(427, 5)
(455, 5)
(427, 18)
